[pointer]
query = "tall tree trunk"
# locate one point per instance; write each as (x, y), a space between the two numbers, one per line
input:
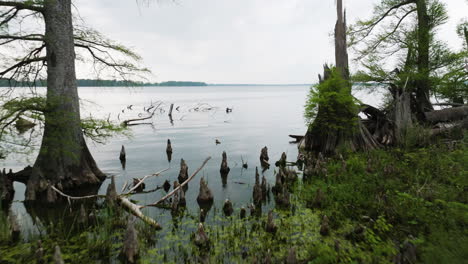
(64, 159)
(423, 85)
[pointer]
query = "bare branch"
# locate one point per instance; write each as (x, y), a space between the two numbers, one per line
(23, 6)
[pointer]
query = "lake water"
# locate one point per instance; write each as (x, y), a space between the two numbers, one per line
(261, 116)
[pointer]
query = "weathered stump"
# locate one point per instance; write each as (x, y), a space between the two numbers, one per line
(201, 240)
(205, 195)
(257, 189)
(140, 187)
(282, 161)
(111, 194)
(123, 157)
(183, 173)
(224, 170)
(243, 212)
(7, 191)
(270, 225)
(169, 150)
(264, 187)
(264, 158)
(14, 227)
(130, 249)
(166, 186)
(82, 216)
(227, 208)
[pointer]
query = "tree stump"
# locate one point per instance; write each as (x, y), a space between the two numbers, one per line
(227, 208)
(111, 194)
(257, 189)
(7, 191)
(243, 213)
(123, 157)
(264, 158)
(224, 170)
(325, 226)
(270, 225)
(201, 239)
(205, 195)
(169, 150)
(130, 249)
(183, 173)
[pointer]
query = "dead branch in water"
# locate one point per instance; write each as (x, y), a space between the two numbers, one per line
(180, 186)
(142, 181)
(128, 121)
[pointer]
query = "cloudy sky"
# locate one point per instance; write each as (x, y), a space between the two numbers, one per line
(233, 41)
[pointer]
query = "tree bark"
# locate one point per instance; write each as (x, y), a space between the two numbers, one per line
(423, 84)
(64, 159)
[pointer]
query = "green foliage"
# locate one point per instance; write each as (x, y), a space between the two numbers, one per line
(333, 100)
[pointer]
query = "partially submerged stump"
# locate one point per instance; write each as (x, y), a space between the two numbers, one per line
(227, 208)
(257, 189)
(166, 186)
(201, 239)
(282, 161)
(283, 198)
(202, 215)
(264, 158)
(243, 212)
(224, 170)
(130, 249)
(123, 157)
(205, 195)
(141, 186)
(169, 150)
(270, 225)
(183, 173)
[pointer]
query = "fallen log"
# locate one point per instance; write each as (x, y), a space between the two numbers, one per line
(447, 115)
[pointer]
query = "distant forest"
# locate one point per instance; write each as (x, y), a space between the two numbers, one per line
(100, 83)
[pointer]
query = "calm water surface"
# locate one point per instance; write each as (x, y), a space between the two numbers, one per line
(261, 116)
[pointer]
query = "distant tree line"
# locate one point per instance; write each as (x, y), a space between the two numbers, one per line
(99, 83)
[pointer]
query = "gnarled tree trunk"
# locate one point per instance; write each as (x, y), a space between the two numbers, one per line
(355, 137)
(64, 159)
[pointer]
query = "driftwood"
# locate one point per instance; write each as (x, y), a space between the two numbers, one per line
(136, 185)
(128, 122)
(447, 115)
(297, 138)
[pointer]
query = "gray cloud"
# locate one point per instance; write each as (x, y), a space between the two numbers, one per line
(233, 41)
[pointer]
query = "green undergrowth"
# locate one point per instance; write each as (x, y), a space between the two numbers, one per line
(388, 204)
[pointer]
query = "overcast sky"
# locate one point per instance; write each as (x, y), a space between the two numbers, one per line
(234, 41)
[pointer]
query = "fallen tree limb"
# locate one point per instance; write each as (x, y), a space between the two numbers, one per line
(142, 180)
(135, 210)
(77, 197)
(447, 115)
(180, 186)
